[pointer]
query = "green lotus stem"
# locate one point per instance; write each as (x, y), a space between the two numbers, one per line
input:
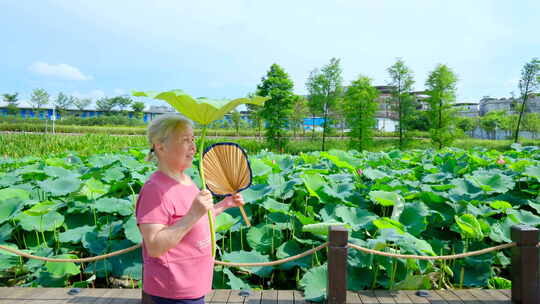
(203, 186)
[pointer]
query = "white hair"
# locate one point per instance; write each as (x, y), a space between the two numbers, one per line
(161, 128)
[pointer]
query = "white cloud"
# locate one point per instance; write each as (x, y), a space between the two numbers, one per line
(119, 91)
(94, 94)
(61, 70)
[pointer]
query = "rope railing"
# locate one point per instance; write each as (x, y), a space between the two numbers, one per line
(430, 258)
(126, 250)
(277, 262)
(81, 260)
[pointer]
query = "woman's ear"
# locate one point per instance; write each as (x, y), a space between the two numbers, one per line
(158, 147)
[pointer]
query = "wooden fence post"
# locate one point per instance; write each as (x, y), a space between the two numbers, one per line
(337, 265)
(525, 265)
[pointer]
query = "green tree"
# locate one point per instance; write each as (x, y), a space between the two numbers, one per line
(508, 122)
(314, 110)
(277, 85)
(403, 103)
(63, 102)
(492, 121)
(81, 103)
(39, 98)
(254, 114)
(359, 109)
(11, 100)
(298, 113)
(467, 124)
(339, 115)
(325, 87)
(531, 123)
(121, 102)
(441, 85)
(236, 120)
(138, 108)
(418, 121)
(528, 86)
(105, 105)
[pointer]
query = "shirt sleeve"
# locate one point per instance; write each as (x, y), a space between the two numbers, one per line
(152, 207)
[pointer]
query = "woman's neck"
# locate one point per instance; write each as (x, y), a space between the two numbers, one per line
(177, 175)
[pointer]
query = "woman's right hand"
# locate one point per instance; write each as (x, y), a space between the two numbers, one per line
(201, 204)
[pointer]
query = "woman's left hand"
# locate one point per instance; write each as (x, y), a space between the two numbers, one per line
(236, 200)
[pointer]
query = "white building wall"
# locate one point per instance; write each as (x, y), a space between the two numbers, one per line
(386, 124)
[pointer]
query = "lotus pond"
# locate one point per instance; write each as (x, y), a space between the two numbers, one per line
(416, 202)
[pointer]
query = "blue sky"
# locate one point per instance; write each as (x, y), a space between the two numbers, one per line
(221, 49)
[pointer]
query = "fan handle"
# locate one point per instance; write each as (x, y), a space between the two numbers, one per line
(244, 215)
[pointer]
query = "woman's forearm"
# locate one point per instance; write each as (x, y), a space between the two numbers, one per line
(170, 236)
(222, 206)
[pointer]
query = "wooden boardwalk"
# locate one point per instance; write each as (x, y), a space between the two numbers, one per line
(105, 296)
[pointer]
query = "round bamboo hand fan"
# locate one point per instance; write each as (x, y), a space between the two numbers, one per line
(226, 170)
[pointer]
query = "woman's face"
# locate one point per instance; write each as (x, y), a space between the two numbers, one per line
(179, 149)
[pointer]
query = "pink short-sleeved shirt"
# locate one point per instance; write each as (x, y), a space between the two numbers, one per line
(184, 271)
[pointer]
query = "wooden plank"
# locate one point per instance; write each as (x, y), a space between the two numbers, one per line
(466, 296)
(269, 297)
(7, 294)
(401, 297)
(495, 296)
(414, 298)
(254, 298)
(285, 297)
(208, 297)
(352, 298)
(95, 295)
(506, 292)
(384, 296)
(28, 295)
(40, 295)
(135, 293)
(221, 296)
(125, 296)
(234, 297)
(299, 297)
(435, 298)
(368, 297)
(55, 295)
(448, 296)
(482, 296)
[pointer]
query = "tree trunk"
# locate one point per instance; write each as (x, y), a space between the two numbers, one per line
(313, 125)
(324, 127)
(525, 97)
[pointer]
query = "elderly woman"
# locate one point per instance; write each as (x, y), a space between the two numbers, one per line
(172, 217)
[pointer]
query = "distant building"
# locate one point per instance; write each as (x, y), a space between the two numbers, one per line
(27, 111)
(488, 104)
(468, 109)
(387, 118)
